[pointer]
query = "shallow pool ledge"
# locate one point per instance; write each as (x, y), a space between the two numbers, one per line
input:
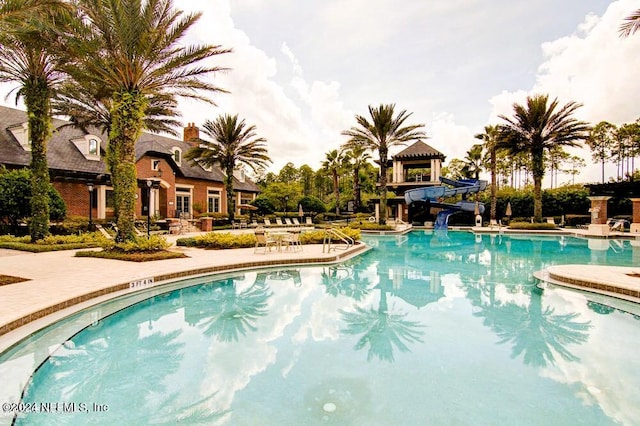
(616, 281)
(58, 281)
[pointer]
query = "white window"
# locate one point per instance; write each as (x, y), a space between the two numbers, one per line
(93, 147)
(213, 201)
(183, 201)
(89, 146)
(155, 165)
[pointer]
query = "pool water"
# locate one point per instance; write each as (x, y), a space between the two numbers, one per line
(427, 328)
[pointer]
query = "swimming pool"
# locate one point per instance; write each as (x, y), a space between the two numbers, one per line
(445, 328)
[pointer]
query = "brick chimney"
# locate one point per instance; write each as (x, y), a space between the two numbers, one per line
(190, 134)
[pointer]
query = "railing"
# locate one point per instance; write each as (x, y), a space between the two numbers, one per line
(331, 234)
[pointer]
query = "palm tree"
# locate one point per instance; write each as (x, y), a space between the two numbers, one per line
(18, 12)
(490, 138)
(631, 24)
(385, 130)
(537, 127)
(357, 156)
(26, 59)
(473, 161)
(333, 162)
(131, 55)
(234, 144)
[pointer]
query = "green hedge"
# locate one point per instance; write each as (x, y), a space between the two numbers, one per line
(531, 226)
(52, 242)
(225, 240)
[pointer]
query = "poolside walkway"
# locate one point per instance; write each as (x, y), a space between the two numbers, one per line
(58, 280)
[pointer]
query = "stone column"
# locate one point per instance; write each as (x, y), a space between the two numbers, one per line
(598, 211)
(635, 223)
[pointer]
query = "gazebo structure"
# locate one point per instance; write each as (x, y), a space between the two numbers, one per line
(416, 166)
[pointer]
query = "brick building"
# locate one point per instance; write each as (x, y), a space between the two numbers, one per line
(170, 185)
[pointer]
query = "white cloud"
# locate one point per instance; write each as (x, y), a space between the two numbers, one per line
(592, 66)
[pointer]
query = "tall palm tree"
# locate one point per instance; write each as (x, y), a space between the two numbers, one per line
(333, 162)
(234, 144)
(357, 156)
(631, 24)
(26, 58)
(385, 130)
(473, 161)
(490, 139)
(537, 127)
(131, 52)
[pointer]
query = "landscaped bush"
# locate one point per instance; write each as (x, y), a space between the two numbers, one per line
(140, 244)
(370, 226)
(574, 220)
(219, 240)
(52, 243)
(312, 204)
(70, 225)
(531, 226)
(316, 237)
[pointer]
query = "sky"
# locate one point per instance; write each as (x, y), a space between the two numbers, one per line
(301, 71)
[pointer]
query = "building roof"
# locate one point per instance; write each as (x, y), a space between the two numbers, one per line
(64, 158)
(418, 151)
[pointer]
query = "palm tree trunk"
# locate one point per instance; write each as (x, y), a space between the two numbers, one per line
(356, 190)
(383, 185)
(493, 181)
(127, 115)
(37, 101)
(537, 170)
(228, 186)
(336, 190)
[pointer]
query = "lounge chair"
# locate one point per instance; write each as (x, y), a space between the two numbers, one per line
(494, 224)
(288, 222)
(267, 223)
(551, 221)
(254, 223)
(618, 225)
(263, 241)
(308, 221)
(279, 222)
(103, 231)
(295, 221)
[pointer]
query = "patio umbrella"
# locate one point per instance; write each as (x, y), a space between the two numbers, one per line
(300, 211)
(508, 212)
(247, 207)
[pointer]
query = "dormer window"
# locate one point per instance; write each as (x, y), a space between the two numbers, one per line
(89, 147)
(21, 133)
(93, 147)
(155, 165)
(177, 155)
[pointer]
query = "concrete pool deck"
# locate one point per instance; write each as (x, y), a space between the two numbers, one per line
(59, 280)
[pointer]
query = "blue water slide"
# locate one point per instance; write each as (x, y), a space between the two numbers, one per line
(434, 195)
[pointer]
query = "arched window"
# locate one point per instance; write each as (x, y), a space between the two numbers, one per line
(177, 155)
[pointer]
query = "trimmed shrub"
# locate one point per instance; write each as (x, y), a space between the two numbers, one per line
(219, 241)
(141, 244)
(532, 226)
